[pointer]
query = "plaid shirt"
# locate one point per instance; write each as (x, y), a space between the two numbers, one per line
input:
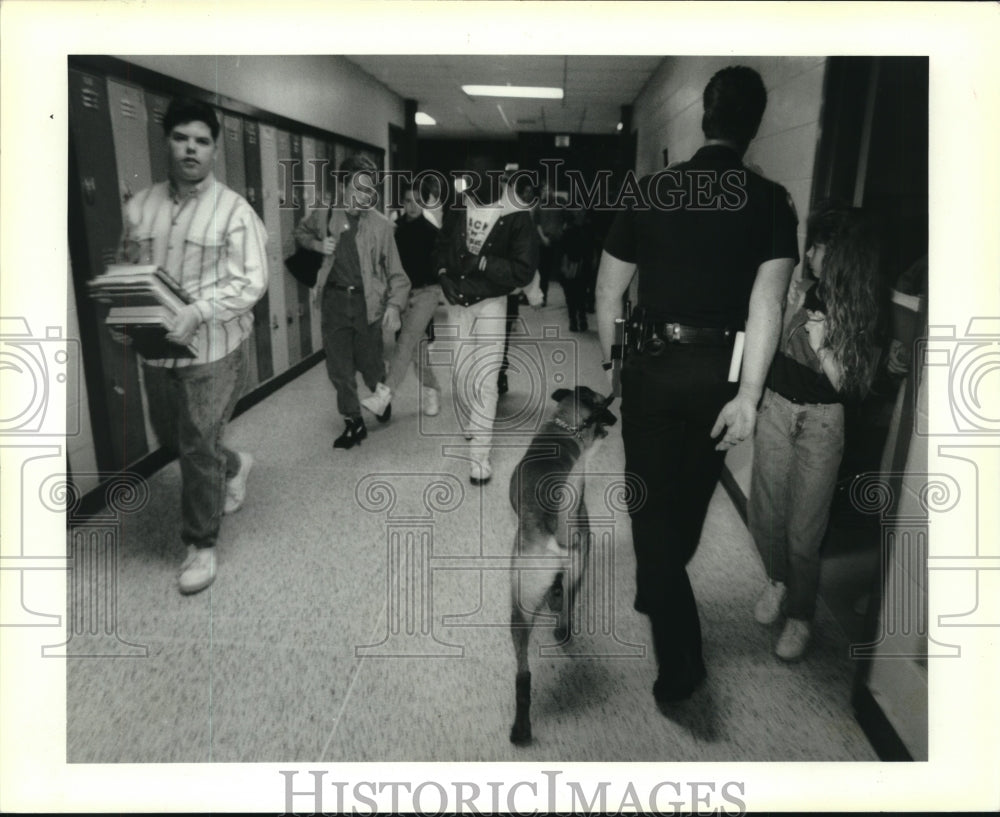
(211, 243)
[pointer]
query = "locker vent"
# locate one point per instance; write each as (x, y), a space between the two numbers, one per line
(158, 116)
(128, 109)
(90, 99)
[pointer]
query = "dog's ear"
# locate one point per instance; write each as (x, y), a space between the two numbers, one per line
(559, 394)
(606, 418)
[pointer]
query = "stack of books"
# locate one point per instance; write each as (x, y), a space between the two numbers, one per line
(143, 302)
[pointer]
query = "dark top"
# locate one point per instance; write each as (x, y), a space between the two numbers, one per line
(697, 232)
(346, 269)
(796, 372)
(415, 241)
(510, 250)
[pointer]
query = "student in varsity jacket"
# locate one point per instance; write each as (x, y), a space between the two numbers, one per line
(487, 248)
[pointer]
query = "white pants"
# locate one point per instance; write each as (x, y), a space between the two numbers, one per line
(480, 330)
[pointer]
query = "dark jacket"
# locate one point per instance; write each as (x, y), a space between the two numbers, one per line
(510, 250)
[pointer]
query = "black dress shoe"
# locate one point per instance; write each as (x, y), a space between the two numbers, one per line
(573, 326)
(502, 386)
(354, 433)
(385, 415)
(675, 684)
(583, 323)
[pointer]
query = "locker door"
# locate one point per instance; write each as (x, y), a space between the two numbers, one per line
(312, 150)
(262, 309)
(220, 150)
(96, 219)
(156, 107)
(297, 212)
(272, 220)
(232, 135)
(130, 129)
(286, 214)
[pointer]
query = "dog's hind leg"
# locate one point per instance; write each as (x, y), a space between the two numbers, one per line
(520, 631)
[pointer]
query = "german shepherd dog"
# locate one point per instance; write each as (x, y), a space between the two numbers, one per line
(550, 550)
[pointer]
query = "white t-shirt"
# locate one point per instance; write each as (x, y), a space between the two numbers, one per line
(478, 223)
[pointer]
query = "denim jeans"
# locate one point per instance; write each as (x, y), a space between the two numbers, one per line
(189, 407)
(423, 303)
(478, 354)
(796, 457)
(351, 345)
(669, 405)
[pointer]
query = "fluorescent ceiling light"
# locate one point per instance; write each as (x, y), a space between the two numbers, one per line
(519, 91)
(424, 119)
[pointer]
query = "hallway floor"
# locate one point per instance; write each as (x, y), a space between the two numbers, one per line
(360, 615)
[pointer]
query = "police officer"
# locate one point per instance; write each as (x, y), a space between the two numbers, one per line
(713, 244)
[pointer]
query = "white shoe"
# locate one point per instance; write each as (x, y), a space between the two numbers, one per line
(768, 606)
(198, 570)
(431, 401)
(236, 488)
(379, 401)
(793, 639)
(480, 473)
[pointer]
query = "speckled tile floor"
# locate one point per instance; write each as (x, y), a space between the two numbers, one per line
(359, 615)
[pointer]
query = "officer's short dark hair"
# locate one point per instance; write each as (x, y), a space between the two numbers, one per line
(182, 110)
(358, 163)
(734, 100)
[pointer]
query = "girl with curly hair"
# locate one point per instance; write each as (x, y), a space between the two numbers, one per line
(827, 355)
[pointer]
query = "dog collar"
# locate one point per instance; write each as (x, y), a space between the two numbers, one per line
(574, 430)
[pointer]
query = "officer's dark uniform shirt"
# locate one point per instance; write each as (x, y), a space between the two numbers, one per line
(346, 269)
(698, 232)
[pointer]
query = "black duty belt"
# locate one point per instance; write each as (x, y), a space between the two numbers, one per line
(342, 288)
(652, 337)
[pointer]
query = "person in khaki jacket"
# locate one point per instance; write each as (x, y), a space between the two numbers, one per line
(363, 289)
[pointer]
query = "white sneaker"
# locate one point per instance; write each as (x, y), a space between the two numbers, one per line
(198, 570)
(379, 401)
(480, 473)
(431, 401)
(768, 606)
(793, 639)
(236, 488)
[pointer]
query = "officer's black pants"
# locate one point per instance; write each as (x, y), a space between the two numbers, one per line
(669, 405)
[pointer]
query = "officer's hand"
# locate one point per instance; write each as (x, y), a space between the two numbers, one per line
(329, 245)
(737, 417)
(119, 336)
(449, 288)
(390, 320)
(185, 324)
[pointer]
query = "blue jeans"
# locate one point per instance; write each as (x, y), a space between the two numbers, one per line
(352, 345)
(796, 457)
(409, 345)
(189, 407)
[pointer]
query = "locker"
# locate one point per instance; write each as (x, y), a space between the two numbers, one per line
(233, 157)
(262, 310)
(312, 150)
(286, 216)
(299, 211)
(269, 193)
(156, 108)
(130, 129)
(220, 150)
(112, 369)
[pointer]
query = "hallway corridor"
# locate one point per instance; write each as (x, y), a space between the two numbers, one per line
(287, 657)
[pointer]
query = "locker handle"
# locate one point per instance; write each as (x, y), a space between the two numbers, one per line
(274, 323)
(89, 190)
(290, 317)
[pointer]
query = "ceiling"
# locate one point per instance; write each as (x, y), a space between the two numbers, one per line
(595, 88)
